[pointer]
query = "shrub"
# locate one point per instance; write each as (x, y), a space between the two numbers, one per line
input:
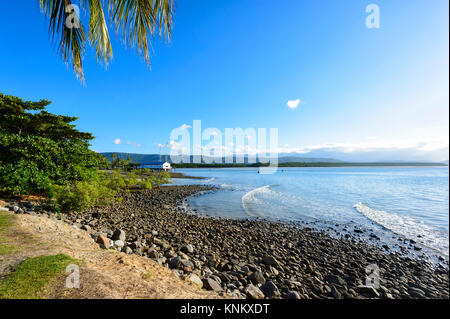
(82, 195)
(102, 190)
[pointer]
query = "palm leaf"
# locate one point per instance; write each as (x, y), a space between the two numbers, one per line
(98, 32)
(72, 40)
(136, 21)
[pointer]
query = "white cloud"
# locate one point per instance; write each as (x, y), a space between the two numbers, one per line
(174, 147)
(134, 143)
(409, 150)
(185, 127)
(117, 141)
(293, 104)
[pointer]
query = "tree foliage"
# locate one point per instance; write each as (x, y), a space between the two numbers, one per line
(38, 148)
(43, 153)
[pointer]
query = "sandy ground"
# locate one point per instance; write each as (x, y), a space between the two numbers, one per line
(103, 273)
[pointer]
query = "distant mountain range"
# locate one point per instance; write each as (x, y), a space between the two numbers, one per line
(283, 158)
(143, 158)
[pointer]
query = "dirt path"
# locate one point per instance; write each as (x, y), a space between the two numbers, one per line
(103, 274)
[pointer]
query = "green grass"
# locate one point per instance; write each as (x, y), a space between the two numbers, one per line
(5, 221)
(32, 277)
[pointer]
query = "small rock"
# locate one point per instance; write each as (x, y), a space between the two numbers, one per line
(367, 291)
(334, 279)
(119, 243)
(103, 241)
(175, 262)
(153, 253)
(245, 269)
(119, 234)
(269, 289)
(196, 280)
(86, 228)
(135, 245)
(188, 249)
(257, 277)
(211, 284)
(292, 295)
(416, 292)
(127, 250)
(269, 260)
(335, 293)
(253, 292)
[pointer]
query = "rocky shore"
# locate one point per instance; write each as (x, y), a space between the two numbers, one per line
(250, 258)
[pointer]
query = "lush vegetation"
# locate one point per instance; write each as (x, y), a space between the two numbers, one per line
(44, 154)
(82, 195)
(32, 277)
(38, 148)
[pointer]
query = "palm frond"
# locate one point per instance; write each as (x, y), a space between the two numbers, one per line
(98, 32)
(164, 11)
(137, 21)
(72, 37)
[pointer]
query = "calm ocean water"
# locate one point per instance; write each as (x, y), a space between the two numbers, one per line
(392, 202)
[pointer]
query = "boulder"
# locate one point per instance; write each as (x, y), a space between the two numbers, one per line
(119, 234)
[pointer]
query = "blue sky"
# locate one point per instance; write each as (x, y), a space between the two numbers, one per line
(236, 63)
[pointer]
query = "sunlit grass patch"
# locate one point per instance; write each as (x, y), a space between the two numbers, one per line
(31, 278)
(6, 220)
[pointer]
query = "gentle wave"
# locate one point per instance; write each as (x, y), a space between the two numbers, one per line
(408, 227)
(209, 180)
(250, 196)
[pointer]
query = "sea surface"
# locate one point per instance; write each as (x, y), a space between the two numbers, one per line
(396, 204)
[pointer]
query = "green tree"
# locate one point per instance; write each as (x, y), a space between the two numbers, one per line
(137, 21)
(38, 148)
(113, 159)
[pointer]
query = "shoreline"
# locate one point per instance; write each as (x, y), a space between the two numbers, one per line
(247, 258)
(183, 176)
(254, 259)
